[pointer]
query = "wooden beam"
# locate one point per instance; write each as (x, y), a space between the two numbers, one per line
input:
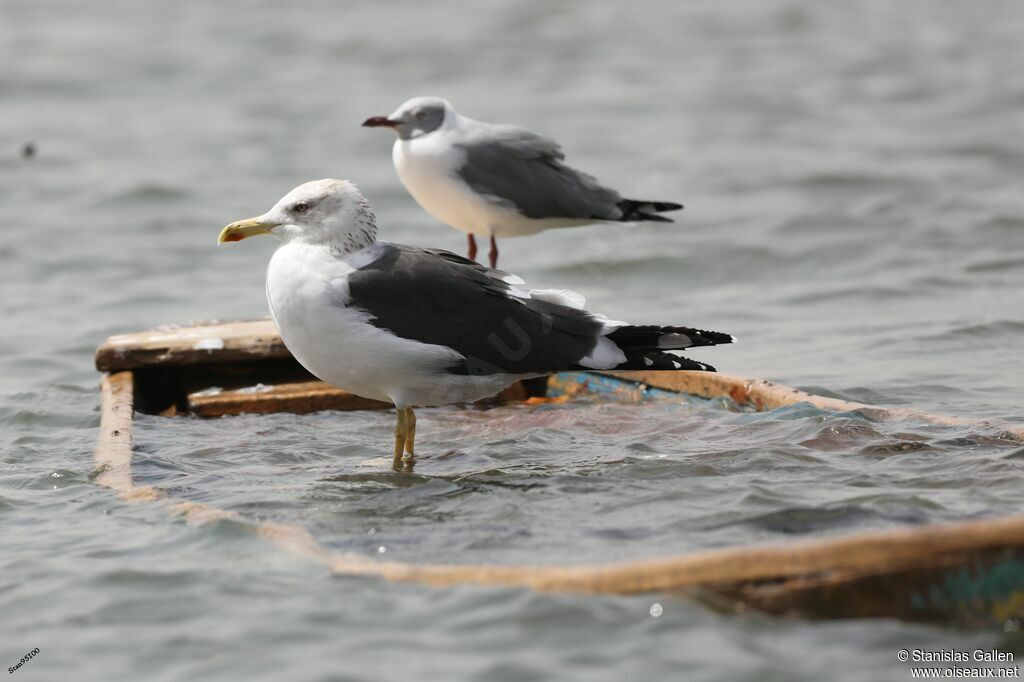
(220, 343)
(301, 398)
(114, 447)
(762, 395)
(971, 572)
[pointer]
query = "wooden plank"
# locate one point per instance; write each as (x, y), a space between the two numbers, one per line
(978, 586)
(301, 398)
(114, 447)
(572, 385)
(971, 572)
(229, 342)
(762, 395)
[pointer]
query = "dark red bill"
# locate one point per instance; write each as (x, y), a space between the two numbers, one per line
(380, 122)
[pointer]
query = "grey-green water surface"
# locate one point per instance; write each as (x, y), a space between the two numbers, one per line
(852, 174)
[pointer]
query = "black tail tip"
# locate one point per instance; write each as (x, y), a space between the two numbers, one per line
(636, 210)
(710, 338)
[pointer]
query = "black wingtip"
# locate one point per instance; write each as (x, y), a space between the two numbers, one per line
(656, 360)
(659, 337)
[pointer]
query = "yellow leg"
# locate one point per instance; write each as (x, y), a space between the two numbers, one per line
(410, 431)
(400, 434)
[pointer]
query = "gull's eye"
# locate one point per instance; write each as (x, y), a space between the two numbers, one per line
(420, 115)
(300, 207)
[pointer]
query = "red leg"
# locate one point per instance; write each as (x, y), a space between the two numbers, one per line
(472, 247)
(494, 252)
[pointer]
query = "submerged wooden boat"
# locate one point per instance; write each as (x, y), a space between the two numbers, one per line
(968, 573)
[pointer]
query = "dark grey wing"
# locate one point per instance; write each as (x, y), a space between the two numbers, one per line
(524, 171)
(439, 298)
(494, 273)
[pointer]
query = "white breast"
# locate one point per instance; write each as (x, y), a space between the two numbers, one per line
(426, 166)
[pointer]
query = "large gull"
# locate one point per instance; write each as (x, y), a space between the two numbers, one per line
(422, 327)
(497, 180)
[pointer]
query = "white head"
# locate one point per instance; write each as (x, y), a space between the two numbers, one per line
(417, 116)
(328, 212)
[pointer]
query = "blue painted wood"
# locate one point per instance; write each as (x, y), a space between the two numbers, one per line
(585, 383)
(992, 592)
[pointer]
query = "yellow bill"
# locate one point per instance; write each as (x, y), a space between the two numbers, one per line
(243, 229)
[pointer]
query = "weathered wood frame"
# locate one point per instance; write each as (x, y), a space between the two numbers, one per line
(969, 573)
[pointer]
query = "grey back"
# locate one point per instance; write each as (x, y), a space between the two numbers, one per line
(525, 171)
